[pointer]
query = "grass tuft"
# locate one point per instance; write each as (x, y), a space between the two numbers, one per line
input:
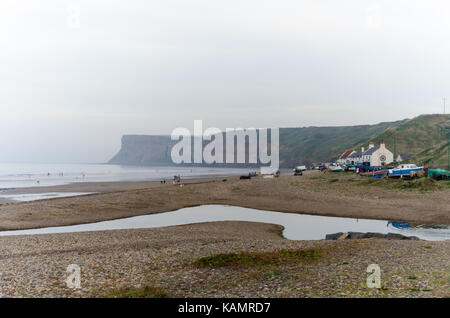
(246, 259)
(421, 185)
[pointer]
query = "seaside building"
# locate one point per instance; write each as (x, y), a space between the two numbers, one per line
(374, 156)
(344, 158)
(377, 156)
(355, 158)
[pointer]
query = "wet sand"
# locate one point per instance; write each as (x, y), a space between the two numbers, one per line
(313, 193)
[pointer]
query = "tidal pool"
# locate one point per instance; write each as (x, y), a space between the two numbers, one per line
(26, 197)
(296, 226)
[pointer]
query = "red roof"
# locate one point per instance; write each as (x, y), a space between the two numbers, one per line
(346, 154)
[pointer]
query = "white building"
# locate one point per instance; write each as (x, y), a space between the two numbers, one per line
(344, 158)
(378, 156)
(355, 158)
(374, 156)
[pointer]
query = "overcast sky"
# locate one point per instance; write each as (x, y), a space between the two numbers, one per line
(77, 75)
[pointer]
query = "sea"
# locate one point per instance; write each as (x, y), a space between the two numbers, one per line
(25, 175)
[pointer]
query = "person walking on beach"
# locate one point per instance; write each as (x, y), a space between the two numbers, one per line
(176, 179)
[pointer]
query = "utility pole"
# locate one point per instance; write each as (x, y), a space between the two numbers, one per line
(443, 99)
(395, 149)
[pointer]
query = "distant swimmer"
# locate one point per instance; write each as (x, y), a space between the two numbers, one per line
(37, 181)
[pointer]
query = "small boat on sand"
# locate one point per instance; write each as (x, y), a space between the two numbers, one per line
(335, 168)
(298, 171)
(406, 171)
(374, 173)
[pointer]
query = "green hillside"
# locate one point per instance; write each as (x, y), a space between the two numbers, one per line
(423, 136)
(416, 135)
(318, 144)
(434, 157)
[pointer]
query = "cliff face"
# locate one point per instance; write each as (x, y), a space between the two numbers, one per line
(298, 146)
(144, 150)
(156, 151)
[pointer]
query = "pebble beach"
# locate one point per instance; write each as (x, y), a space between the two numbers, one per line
(35, 266)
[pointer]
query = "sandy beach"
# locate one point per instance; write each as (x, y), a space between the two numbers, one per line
(344, 195)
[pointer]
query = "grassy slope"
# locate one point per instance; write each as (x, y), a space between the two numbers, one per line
(421, 136)
(317, 144)
(435, 157)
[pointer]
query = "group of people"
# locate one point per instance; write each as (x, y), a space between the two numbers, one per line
(176, 180)
(61, 174)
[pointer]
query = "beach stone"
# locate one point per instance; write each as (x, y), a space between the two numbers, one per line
(360, 235)
(343, 236)
(373, 234)
(333, 236)
(395, 236)
(355, 235)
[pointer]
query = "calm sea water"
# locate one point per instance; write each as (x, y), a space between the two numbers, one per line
(38, 175)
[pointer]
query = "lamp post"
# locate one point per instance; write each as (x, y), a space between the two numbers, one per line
(395, 149)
